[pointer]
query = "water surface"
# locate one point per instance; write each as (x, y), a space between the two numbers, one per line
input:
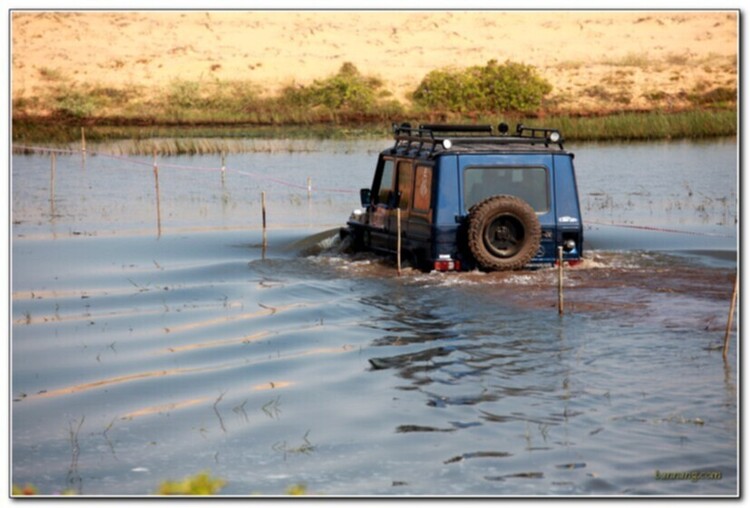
(138, 358)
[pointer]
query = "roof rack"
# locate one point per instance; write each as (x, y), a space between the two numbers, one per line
(474, 129)
(445, 136)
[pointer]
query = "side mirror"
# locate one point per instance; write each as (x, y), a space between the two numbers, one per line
(364, 197)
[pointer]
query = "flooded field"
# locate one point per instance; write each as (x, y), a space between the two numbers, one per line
(139, 357)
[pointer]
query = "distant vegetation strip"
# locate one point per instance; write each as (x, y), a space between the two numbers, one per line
(349, 104)
(207, 139)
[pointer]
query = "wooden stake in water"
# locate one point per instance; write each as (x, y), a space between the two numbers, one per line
(560, 308)
(398, 240)
(223, 168)
(52, 168)
(263, 211)
(83, 141)
(731, 318)
(158, 201)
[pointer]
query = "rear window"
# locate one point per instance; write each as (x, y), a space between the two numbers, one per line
(528, 183)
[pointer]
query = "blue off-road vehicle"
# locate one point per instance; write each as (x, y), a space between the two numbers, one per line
(472, 198)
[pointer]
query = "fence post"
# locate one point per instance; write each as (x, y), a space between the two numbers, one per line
(560, 308)
(730, 319)
(398, 240)
(52, 168)
(158, 201)
(223, 168)
(263, 212)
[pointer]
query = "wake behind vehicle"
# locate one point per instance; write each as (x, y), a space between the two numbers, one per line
(472, 198)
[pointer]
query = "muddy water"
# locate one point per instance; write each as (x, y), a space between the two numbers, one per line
(138, 358)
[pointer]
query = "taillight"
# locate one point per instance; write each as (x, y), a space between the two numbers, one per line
(447, 265)
(571, 262)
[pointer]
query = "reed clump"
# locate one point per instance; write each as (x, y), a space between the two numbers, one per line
(648, 126)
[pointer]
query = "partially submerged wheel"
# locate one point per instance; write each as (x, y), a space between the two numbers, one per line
(504, 233)
(351, 240)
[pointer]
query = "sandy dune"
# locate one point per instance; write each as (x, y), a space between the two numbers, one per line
(591, 58)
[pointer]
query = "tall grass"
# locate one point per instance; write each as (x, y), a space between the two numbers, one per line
(350, 103)
(176, 140)
(648, 126)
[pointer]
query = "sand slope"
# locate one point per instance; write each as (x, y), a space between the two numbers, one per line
(591, 57)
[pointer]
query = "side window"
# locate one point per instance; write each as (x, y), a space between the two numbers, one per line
(385, 186)
(423, 188)
(405, 178)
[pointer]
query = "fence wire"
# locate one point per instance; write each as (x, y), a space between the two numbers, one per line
(161, 165)
(305, 187)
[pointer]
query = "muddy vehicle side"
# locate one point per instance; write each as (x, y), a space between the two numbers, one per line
(469, 198)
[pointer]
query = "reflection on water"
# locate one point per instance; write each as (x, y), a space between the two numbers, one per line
(137, 359)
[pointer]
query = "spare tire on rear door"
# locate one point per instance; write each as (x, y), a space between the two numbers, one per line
(503, 233)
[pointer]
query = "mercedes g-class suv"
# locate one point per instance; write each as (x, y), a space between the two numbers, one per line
(472, 198)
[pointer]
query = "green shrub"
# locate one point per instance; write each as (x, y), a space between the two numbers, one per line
(346, 91)
(631, 60)
(49, 74)
(655, 95)
(491, 88)
(207, 100)
(604, 94)
(678, 58)
(21, 104)
(232, 95)
(111, 94)
(74, 103)
(183, 94)
(720, 96)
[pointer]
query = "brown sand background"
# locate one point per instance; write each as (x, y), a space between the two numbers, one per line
(633, 52)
